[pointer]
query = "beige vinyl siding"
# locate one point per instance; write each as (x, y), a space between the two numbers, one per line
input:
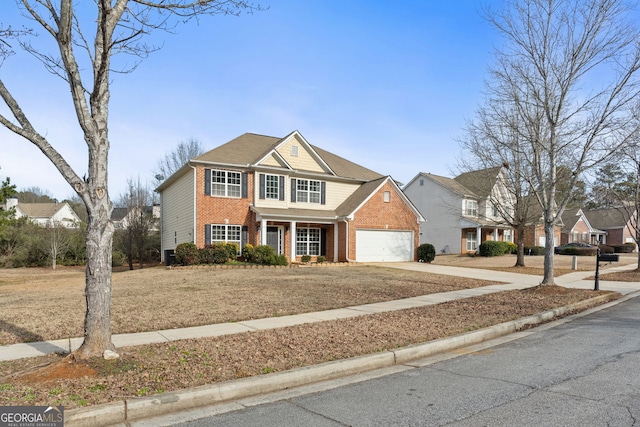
(337, 193)
(303, 161)
(178, 212)
(271, 161)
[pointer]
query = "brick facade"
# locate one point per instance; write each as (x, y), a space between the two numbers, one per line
(376, 214)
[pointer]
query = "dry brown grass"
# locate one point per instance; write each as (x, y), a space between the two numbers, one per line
(533, 264)
(33, 300)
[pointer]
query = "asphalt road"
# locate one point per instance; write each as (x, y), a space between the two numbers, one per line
(585, 372)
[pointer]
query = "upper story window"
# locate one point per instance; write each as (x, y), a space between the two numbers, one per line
(308, 191)
(271, 187)
(224, 183)
(471, 208)
(272, 190)
(386, 196)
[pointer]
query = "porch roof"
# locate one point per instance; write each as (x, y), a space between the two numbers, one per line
(306, 215)
(467, 222)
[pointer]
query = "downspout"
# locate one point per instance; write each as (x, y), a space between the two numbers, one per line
(195, 202)
(346, 221)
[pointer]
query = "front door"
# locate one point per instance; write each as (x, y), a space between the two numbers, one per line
(274, 238)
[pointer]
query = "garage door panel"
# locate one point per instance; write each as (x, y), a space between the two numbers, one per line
(384, 246)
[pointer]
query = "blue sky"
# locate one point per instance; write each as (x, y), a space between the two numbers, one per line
(388, 85)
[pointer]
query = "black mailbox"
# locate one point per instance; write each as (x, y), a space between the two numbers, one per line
(609, 257)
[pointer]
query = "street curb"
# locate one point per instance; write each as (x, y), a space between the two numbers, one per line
(134, 409)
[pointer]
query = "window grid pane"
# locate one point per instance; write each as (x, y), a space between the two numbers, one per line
(308, 191)
(308, 241)
(272, 186)
(226, 183)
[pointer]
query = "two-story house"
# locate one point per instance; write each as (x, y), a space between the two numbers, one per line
(462, 212)
(291, 195)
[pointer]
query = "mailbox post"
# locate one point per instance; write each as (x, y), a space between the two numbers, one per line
(604, 258)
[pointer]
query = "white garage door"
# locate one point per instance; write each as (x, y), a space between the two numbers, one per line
(384, 245)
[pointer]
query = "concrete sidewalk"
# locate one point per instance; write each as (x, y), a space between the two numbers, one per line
(512, 281)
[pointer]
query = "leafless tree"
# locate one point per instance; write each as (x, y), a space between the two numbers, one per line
(177, 158)
(623, 185)
(139, 220)
(86, 44)
(57, 239)
(494, 137)
(568, 72)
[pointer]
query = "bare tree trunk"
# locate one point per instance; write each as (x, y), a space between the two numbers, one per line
(548, 278)
(97, 321)
(520, 253)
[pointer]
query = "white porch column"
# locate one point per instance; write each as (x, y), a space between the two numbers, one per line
(335, 242)
(263, 232)
(292, 239)
(478, 237)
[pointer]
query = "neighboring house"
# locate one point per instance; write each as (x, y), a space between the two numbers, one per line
(576, 228)
(461, 212)
(534, 234)
(613, 221)
(45, 214)
(291, 195)
(121, 217)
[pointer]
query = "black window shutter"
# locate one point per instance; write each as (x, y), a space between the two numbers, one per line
(281, 189)
(323, 193)
(293, 190)
(245, 185)
(323, 241)
(262, 186)
(207, 182)
(207, 234)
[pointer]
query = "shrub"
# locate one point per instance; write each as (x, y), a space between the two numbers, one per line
(426, 252)
(493, 248)
(579, 251)
(305, 258)
(278, 260)
(605, 249)
(263, 254)
(627, 248)
(117, 259)
(249, 252)
(496, 248)
(322, 259)
(187, 253)
(533, 250)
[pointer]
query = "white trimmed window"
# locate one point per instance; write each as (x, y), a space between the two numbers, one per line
(226, 183)
(307, 241)
(471, 208)
(272, 187)
(225, 234)
(308, 191)
(472, 241)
